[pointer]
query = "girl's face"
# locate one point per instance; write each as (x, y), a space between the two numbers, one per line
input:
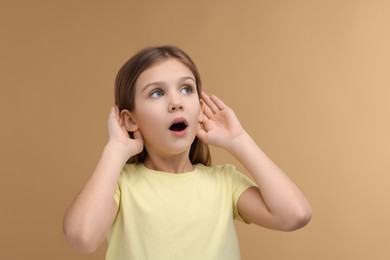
(167, 108)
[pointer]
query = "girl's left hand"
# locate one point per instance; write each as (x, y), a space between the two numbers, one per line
(219, 125)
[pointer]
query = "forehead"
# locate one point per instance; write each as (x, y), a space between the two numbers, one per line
(164, 71)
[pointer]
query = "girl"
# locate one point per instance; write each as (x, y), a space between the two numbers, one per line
(154, 193)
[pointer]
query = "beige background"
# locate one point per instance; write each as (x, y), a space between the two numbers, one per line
(308, 79)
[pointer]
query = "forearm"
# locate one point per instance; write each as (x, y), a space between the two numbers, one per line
(283, 198)
(91, 213)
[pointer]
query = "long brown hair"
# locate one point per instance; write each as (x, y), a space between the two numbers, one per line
(125, 91)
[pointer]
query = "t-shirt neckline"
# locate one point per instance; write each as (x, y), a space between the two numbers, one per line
(176, 175)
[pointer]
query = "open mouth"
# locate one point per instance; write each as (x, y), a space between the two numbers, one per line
(178, 125)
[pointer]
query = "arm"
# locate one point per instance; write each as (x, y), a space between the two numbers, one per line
(277, 203)
(92, 212)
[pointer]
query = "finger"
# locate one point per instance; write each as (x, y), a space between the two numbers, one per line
(201, 133)
(113, 116)
(112, 111)
(209, 102)
(207, 111)
(200, 126)
(219, 103)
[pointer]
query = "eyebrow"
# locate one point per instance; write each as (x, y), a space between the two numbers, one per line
(182, 79)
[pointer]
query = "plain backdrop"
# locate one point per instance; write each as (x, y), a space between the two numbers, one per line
(309, 81)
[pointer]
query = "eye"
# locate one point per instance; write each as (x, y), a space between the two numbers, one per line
(156, 93)
(186, 90)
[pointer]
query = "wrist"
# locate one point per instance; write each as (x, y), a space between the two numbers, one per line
(239, 143)
(118, 149)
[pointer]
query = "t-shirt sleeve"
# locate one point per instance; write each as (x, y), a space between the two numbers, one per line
(240, 183)
(117, 195)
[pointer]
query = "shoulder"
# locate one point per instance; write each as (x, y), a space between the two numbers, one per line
(225, 171)
(130, 171)
(216, 171)
(223, 168)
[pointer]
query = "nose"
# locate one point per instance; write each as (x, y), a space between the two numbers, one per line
(176, 104)
(175, 107)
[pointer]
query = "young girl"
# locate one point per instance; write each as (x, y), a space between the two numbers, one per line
(154, 193)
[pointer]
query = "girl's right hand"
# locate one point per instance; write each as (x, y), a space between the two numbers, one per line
(118, 135)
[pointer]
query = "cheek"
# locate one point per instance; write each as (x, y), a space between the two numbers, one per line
(149, 120)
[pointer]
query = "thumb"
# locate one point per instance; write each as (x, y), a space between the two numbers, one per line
(138, 142)
(138, 136)
(201, 133)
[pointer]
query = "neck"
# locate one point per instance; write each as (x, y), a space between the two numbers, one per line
(171, 164)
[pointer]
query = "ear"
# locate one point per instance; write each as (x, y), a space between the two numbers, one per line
(128, 120)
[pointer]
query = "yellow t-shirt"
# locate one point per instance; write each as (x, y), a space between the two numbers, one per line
(187, 216)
